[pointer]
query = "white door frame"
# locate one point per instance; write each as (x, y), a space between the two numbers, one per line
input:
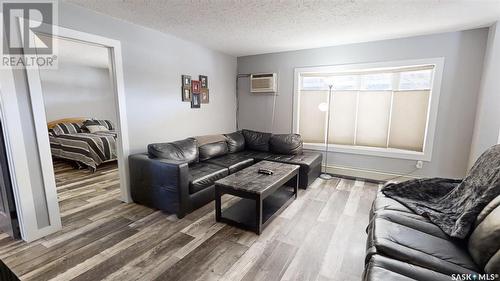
(28, 227)
(17, 156)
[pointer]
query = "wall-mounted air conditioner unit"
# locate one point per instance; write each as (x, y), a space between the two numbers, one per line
(263, 83)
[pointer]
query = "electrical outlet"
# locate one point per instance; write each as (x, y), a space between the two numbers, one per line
(419, 164)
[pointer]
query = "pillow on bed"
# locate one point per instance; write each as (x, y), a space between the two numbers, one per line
(67, 128)
(93, 126)
(97, 128)
(106, 123)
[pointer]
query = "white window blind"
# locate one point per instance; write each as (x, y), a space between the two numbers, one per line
(382, 108)
(373, 118)
(313, 123)
(342, 106)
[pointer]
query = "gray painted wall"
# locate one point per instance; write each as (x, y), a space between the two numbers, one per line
(79, 88)
(463, 52)
(153, 63)
(487, 125)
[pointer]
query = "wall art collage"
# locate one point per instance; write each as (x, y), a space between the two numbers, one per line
(195, 91)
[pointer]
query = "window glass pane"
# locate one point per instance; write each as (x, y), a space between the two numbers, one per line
(415, 80)
(342, 118)
(373, 118)
(314, 83)
(408, 120)
(311, 119)
(345, 82)
(376, 82)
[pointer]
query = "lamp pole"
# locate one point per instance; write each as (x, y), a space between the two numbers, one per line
(325, 175)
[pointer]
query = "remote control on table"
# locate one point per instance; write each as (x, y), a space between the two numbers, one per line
(265, 171)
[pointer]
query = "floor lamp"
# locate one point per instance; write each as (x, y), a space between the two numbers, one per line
(326, 107)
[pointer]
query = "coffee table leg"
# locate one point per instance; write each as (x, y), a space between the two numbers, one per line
(218, 211)
(258, 215)
(296, 188)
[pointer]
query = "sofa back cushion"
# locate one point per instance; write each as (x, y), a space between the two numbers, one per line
(290, 144)
(235, 142)
(484, 241)
(211, 146)
(256, 140)
(183, 150)
(212, 150)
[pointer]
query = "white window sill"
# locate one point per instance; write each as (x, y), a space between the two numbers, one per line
(371, 151)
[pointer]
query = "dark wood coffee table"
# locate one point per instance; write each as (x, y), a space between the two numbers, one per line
(263, 197)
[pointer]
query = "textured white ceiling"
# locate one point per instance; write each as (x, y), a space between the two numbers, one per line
(247, 27)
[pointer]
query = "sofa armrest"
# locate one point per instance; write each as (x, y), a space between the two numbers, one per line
(160, 183)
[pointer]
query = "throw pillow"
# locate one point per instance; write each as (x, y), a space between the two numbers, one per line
(96, 128)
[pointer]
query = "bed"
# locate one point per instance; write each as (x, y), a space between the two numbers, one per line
(71, 141)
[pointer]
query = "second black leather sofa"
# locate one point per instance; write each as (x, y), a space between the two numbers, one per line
(404, 246)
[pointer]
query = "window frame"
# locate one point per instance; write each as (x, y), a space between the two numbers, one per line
(425, 155)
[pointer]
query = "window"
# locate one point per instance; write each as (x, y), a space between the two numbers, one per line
(373, 110)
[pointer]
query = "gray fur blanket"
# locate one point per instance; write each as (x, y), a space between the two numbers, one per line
(453, 205)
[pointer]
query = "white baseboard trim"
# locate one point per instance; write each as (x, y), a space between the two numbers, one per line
(369, 174)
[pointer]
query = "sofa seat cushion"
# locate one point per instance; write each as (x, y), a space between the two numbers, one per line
(203, 175)
(416, 247)
(306, 160)
(234, 162)
(383, 268)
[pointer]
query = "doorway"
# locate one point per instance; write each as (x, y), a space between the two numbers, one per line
(78, 99)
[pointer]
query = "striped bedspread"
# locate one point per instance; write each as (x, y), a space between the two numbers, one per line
(86, 148)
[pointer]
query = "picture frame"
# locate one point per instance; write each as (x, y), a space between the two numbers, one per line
(204, 95)
(195, 100)
(195, 87)
(203, 81)
(186, 80)
(186, 93)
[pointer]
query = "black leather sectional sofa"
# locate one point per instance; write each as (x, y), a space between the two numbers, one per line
(402, 245)
(178, 177)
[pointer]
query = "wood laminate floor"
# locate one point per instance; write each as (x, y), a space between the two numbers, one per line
(320, 236)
